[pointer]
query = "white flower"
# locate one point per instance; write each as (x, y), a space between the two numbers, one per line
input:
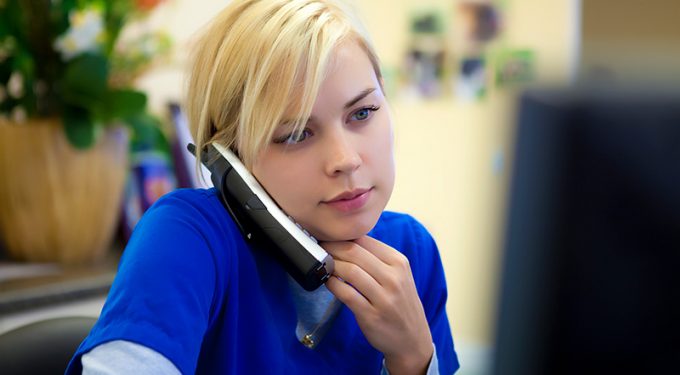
(86, 33)
(150, 46)
(15, 85)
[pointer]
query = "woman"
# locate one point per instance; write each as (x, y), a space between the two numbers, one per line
(294, 87)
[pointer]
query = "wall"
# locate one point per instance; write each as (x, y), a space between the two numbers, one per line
(631, 40)
(448, 154)
(452, 157)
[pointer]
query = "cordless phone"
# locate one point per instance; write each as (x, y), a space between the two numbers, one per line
(260, 218)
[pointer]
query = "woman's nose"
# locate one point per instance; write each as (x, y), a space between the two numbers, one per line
(343, 155)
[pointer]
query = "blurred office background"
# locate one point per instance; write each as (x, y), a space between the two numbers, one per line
(454, 70)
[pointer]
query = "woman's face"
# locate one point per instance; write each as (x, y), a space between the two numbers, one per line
(336, 176)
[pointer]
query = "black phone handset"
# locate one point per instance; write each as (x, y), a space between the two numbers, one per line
(256, 215)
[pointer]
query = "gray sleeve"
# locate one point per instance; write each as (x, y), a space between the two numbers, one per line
(432, 368)
(125, 357)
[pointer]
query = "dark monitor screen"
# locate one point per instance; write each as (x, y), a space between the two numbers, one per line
(591, 261)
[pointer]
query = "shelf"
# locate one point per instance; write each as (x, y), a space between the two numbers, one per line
(27, 286)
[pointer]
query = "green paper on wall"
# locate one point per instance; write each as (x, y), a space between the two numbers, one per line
(515, 66)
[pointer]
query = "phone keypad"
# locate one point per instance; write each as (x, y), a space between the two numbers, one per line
(303, 229)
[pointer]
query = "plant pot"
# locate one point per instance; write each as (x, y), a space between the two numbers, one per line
(59, 204)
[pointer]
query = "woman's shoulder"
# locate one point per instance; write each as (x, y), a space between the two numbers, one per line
(403, 232)
(194, 213)
(204, 198)
(186, 203)
(398, 224)
(185, 234)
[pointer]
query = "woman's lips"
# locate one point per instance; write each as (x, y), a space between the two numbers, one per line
(351, 200)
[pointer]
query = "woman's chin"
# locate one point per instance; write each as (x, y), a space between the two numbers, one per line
(343, 232)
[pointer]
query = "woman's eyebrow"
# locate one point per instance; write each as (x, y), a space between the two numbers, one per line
(350, 103)
(357, 98)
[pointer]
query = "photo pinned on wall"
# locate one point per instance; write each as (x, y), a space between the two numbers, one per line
(480, 24)
(477, 25)
(515, 66)
(423, 69)
(472, 79)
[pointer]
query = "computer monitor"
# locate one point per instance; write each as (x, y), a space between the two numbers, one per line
(591, 263)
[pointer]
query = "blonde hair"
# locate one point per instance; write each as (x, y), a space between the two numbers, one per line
(253, 58)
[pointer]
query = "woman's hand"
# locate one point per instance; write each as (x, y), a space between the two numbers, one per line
(375, 282)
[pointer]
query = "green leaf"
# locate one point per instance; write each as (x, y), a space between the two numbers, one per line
(80, 129)
(85, 81)
(24, 63)
(59, 13)
(121, 104)
(147, 134)
(143, 125)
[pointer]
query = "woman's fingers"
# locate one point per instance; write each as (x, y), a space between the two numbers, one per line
(354, 300)
(354, 253)
(381, 251)
(376, 283)
(359, 280)
(362, 261)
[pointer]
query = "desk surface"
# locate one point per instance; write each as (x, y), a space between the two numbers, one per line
(26, 286)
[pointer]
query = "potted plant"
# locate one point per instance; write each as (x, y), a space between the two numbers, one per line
(67, 103)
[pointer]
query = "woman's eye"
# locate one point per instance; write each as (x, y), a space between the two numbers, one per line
(364, 113)
(294, 137)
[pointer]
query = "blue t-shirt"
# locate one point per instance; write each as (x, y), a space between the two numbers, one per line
(189, 287)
